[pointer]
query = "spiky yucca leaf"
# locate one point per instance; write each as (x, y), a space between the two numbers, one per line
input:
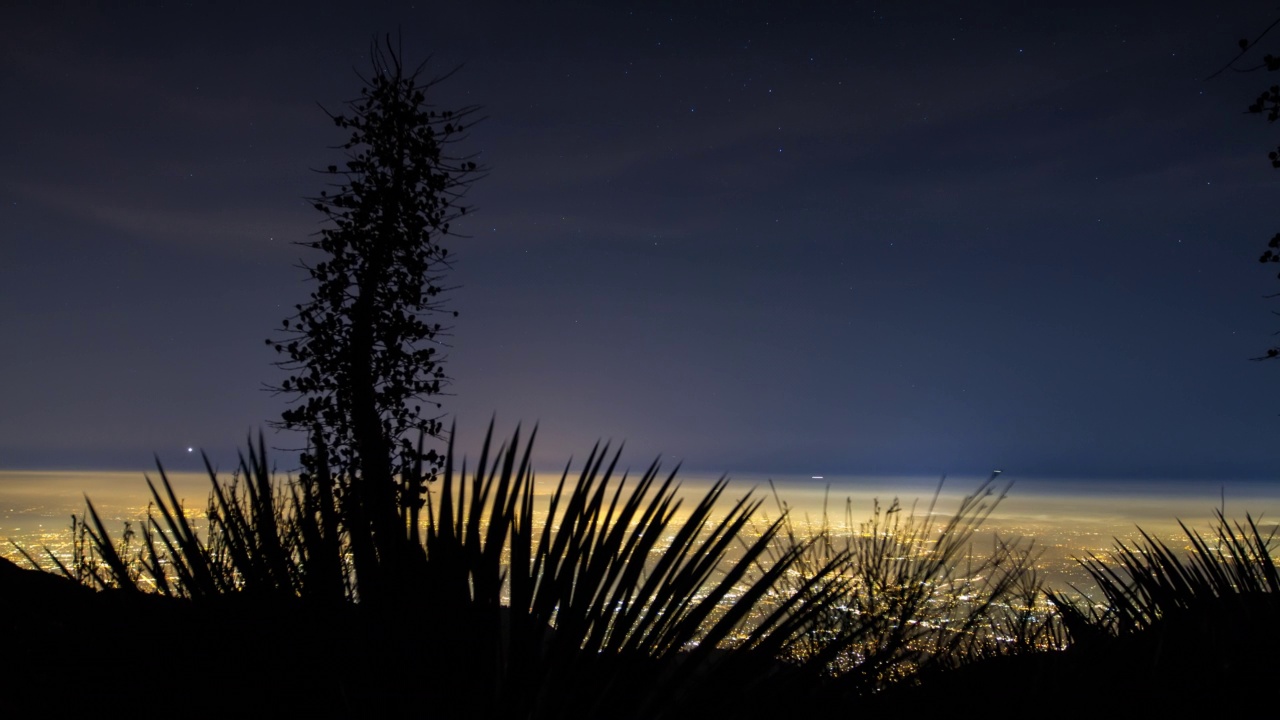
(1147, 581)
(261, 540)
(611, 573)
(119, 575)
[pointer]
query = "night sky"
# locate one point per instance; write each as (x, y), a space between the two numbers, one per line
(810, 238)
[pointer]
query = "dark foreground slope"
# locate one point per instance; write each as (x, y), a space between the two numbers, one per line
(69, 648)
(1214, 658)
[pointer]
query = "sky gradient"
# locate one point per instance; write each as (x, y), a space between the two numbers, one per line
(846, 239)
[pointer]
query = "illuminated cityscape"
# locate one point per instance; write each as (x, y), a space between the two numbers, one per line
(1057, 524)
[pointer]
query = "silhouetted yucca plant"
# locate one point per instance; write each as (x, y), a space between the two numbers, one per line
(916, 595)
(616, 597)
(1147, 581)
(612, 579)
(87, 565)
(261, 538)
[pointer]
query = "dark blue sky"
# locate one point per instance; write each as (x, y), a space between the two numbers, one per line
(834, 238)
